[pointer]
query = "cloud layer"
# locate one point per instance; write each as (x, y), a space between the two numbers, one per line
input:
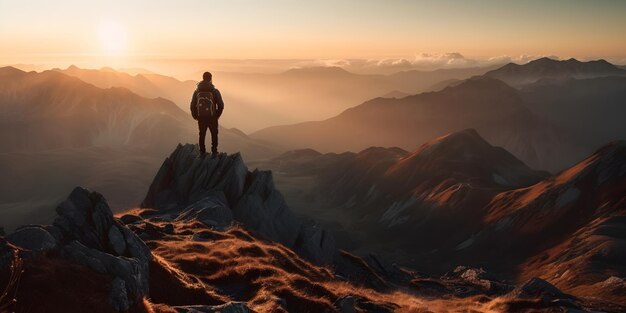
(422, 61)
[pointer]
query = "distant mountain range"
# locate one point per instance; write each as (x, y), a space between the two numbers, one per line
(255, 101)
(51, 110)
(145, 84)
(458, 200)
(592, 109)
(518, 75)
(549, 124)
(496, 110)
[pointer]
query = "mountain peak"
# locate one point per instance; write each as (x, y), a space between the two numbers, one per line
(466, 151)
(462, 142)
(10, 70)
(189, 181)
(605, 164)
(518, 75)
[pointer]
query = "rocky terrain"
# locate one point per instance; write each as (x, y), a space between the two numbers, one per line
(459, 200)
(212, 236)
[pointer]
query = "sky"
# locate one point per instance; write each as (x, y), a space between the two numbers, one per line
(283, 29)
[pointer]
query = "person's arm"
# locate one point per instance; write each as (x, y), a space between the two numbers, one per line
(192, 106)
(220, 103)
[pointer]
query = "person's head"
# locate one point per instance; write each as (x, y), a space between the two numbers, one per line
(207, 76)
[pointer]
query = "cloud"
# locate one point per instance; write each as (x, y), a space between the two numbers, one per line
(421, 61)
(323, 62)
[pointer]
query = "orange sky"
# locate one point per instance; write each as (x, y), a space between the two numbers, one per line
(236, 29)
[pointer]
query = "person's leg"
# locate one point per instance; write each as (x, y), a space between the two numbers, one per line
(202, 127)
(213, 127)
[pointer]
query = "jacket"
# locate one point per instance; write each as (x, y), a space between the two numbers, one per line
(206, 86)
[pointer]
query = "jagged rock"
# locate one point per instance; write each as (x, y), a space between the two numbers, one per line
(539, 288)
(32, 238)
(230, 307)
(118, 297)
(93, 237)
(548, 294)
(346, 304)
(116, 240)
(132, 271)
(355, 269)
(185, 178)
(214, 191)
(263, 209)
(211, 210)
(130, 219)
(315, 244)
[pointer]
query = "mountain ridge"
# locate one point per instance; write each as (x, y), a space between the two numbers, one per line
(484, 103)
(518, 75)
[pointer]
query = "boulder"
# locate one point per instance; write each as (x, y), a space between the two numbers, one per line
(91, 236)
(315, 244)
(32, 238)
(346, 304)
(130, 219)
(211, 210)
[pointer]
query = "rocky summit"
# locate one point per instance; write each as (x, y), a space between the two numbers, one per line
(222, 190)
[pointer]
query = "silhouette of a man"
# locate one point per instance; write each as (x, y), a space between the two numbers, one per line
(207, 107)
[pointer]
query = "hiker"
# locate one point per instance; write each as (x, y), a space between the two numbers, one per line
(207, 107)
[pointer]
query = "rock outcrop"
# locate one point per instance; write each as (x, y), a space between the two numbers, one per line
(85, 232)
(191, 185)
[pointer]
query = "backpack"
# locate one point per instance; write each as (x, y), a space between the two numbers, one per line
(206, 105)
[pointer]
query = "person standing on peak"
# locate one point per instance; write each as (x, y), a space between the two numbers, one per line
(207, 107)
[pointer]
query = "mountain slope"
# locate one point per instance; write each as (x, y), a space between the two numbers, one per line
(592, 108)
(518, 75)
(386, 198)
(51, 110)
(494, 109)
(571, 224)
(148, 85)
(458, 200)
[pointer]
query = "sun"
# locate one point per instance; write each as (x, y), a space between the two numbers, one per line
(112, 37)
